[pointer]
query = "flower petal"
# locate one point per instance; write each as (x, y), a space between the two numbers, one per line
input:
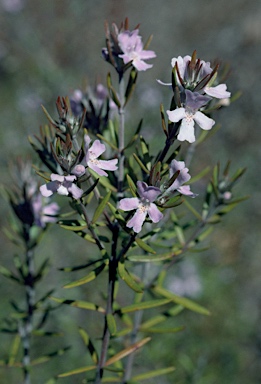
(109, 165)
(49, 188)
(146, 192)
(183, 176)
(55, 177)
(185, 190)
(203, 121)
(137, 220)
(97, 148)
(75, 191)
(176, 115)
(140, 65)
(154, 213)
(147, 54)
(62, 190)
(186, 131)
(128, 204)
(96, 169)
(219, 92)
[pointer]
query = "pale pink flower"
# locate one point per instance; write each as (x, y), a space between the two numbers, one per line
(144, 206)
(63, 185)
(91, 158)
(132, 48)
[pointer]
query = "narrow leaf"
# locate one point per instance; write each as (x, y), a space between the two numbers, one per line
(124, 274)
(149, 258)
(111, 324)
(5, 272)
(14, 350)
(163, 330)
(163, 123)
(143, 167)
(77, 371)
(127, 351)
(44, 359)
(86, 279)
(187, 303)
(132, 186)
(73, 225)
(144, 246)
(99, 210)
(174, 311)
(79, 304)
(158, 372)
(87, 341)
(145, 305)
(192, 209)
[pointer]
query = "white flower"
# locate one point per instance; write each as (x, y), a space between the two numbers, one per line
(190, 114)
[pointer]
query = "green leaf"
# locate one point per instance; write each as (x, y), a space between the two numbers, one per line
(174, 311)
(187, 303)
(127, 351)
(87, 341)
(149, 259)
(5, 272)
(82, 266)
(163, 330)
(125, 275)
(40, 332)
(51, 381)
(142, 166)
(14, 350)
(44, 359)
(155, 173)
(163, 123)
(131, 85)
(112, 91)
(192, 209)
(79, 304)
(174, 201)
(77, 371)
(73, 225)
(149, 375)
(132, 186)
(145, 305)
(99, 210)
(111, 324)
(86, 279)
(86, 236)
(112, 379)
(199, 176)
(144, 246)
(116, 214)
(145, 153)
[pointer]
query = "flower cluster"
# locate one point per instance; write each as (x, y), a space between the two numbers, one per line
(131, 45)
(28, 204)
(197, 85)
(145, 205)
(96, 105)
(125, 48)
(65, 184)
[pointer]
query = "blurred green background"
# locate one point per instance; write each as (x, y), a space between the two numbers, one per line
(49, 48)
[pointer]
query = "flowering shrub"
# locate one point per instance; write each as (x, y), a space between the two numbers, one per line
(130, 212)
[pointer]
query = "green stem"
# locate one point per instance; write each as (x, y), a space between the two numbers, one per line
(26, 326)
(113, 264)
(134, 334)
(121, 139)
